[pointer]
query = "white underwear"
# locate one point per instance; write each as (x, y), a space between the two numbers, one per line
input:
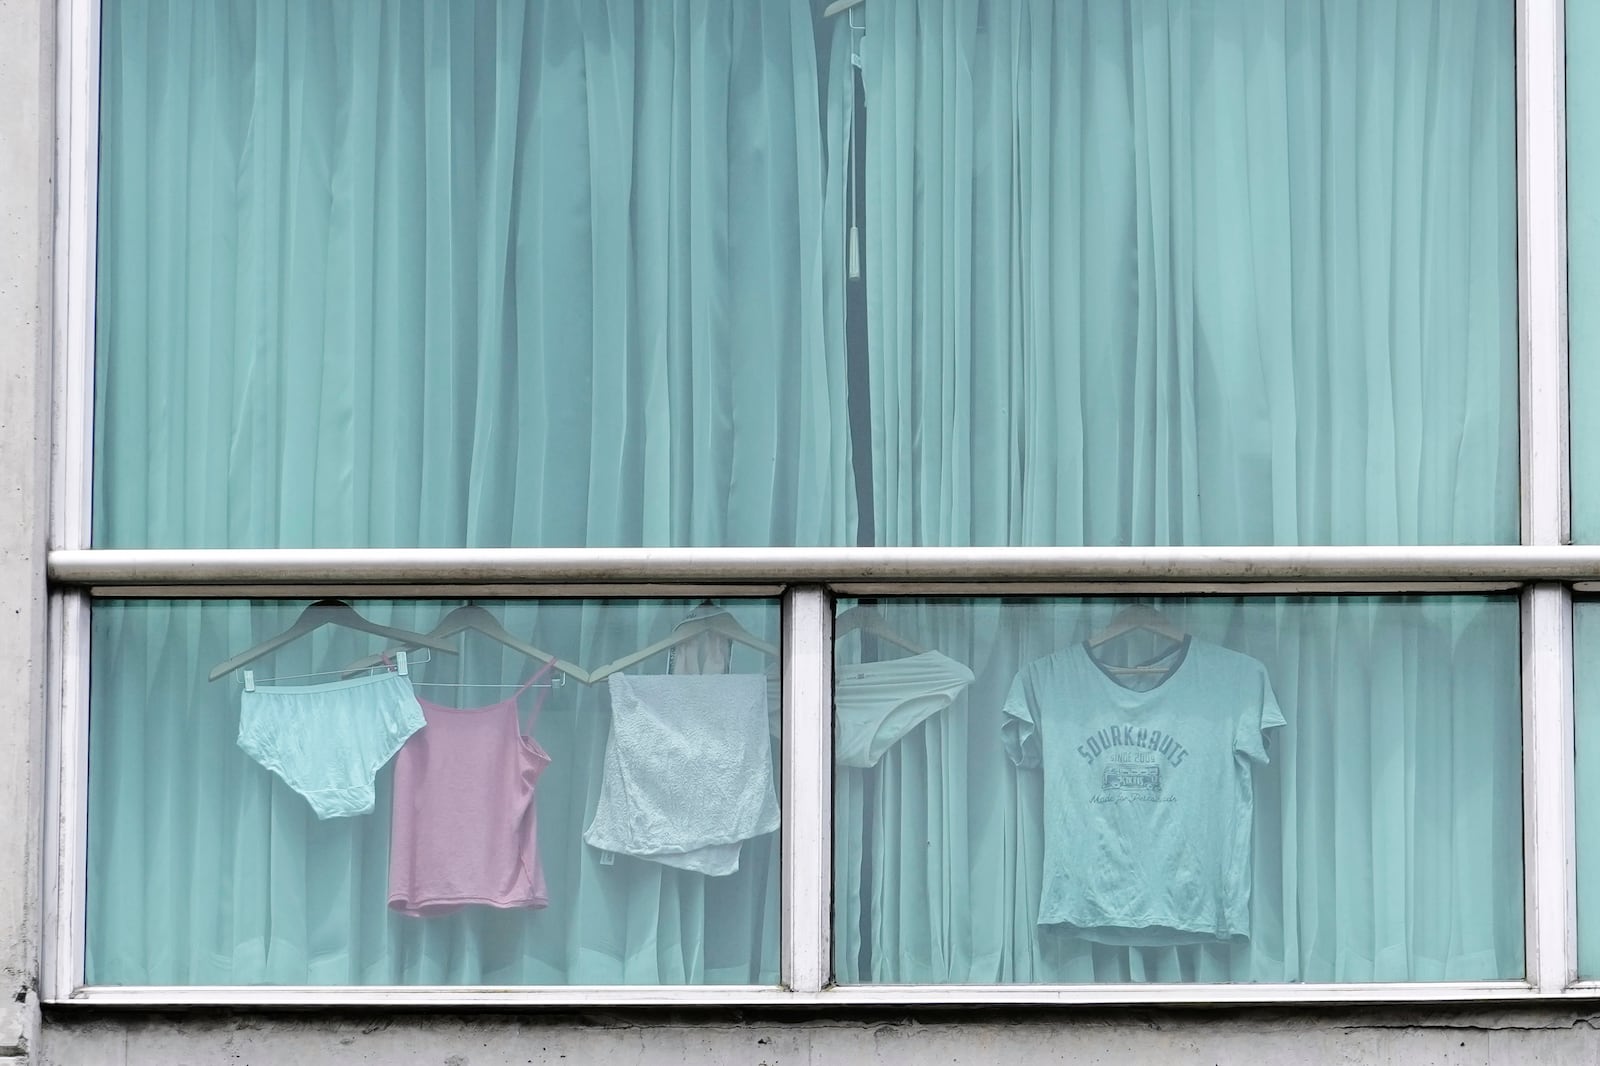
(876, 704)
(328, 742)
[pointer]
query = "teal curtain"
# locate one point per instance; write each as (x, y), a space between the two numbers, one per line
(1189, 271)
(438, 274)
(579, 273)
(1582, 29)
(205, 868)
(1586, 737)
(1197, 272)
(1387, 826)
(464, 274)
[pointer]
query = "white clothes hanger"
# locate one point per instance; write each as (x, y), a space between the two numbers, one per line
(325, 613)
(478, 619)
(400, 663)
(718, 621)
(1135, 618)
(868, 621)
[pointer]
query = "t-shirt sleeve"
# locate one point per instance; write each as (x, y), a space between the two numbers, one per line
(1018, 730)
(1261, 713)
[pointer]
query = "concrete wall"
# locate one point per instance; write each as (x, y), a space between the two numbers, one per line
(26, 162)
(1196, 1038)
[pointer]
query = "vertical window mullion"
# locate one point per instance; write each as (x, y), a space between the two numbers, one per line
(67, 788)
(807, 786)
(1548, 785)
(1541, 271)
(66, 774)
(77, 168)
(1547, 614)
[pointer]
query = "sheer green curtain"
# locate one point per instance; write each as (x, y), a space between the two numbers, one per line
(577, 273)
(1586, 737)
(206, 868)
(1582, 29)
(471, 274)
(1216, 272)
(438, 274)
(1387, 825)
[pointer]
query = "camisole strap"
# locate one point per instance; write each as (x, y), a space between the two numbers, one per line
(538, 704)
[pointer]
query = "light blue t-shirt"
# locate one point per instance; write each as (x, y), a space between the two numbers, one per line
(1148, 796)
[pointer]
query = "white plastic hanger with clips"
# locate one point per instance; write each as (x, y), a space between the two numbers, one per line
(326, 613)
(475, 619)
(401, 664)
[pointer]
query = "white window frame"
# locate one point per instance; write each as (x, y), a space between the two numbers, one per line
(1544, 568)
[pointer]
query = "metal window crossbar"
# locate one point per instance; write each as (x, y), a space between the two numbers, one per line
(963, 569)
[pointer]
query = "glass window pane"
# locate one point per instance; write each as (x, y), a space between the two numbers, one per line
(616, 272)
(1586, 735)
(1216, 272)
(439, 274)
(481, 819)
(1189, 790)
(1583, 252)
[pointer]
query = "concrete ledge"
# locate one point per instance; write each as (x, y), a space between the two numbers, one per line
(1170, 1038)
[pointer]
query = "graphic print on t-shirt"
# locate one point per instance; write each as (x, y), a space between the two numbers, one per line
(1131, 762)
(1133, 778)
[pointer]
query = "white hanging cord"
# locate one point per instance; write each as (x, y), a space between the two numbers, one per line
(858, 34)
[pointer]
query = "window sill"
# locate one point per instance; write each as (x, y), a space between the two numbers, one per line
(135, 997)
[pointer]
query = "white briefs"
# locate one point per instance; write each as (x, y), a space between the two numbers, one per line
(876, 704)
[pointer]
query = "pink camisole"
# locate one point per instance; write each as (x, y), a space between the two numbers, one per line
(465, 826)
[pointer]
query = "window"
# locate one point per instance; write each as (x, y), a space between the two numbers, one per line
(1581, 232)
(1229, 789)
(1583, 218)
(433, 276)
(297, 827)
(919, 344)
(1587, 737)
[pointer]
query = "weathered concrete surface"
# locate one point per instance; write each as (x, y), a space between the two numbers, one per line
(26, 160)
(1457, 1037)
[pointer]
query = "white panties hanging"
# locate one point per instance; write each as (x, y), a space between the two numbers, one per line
(876, 704)
(328, 742)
